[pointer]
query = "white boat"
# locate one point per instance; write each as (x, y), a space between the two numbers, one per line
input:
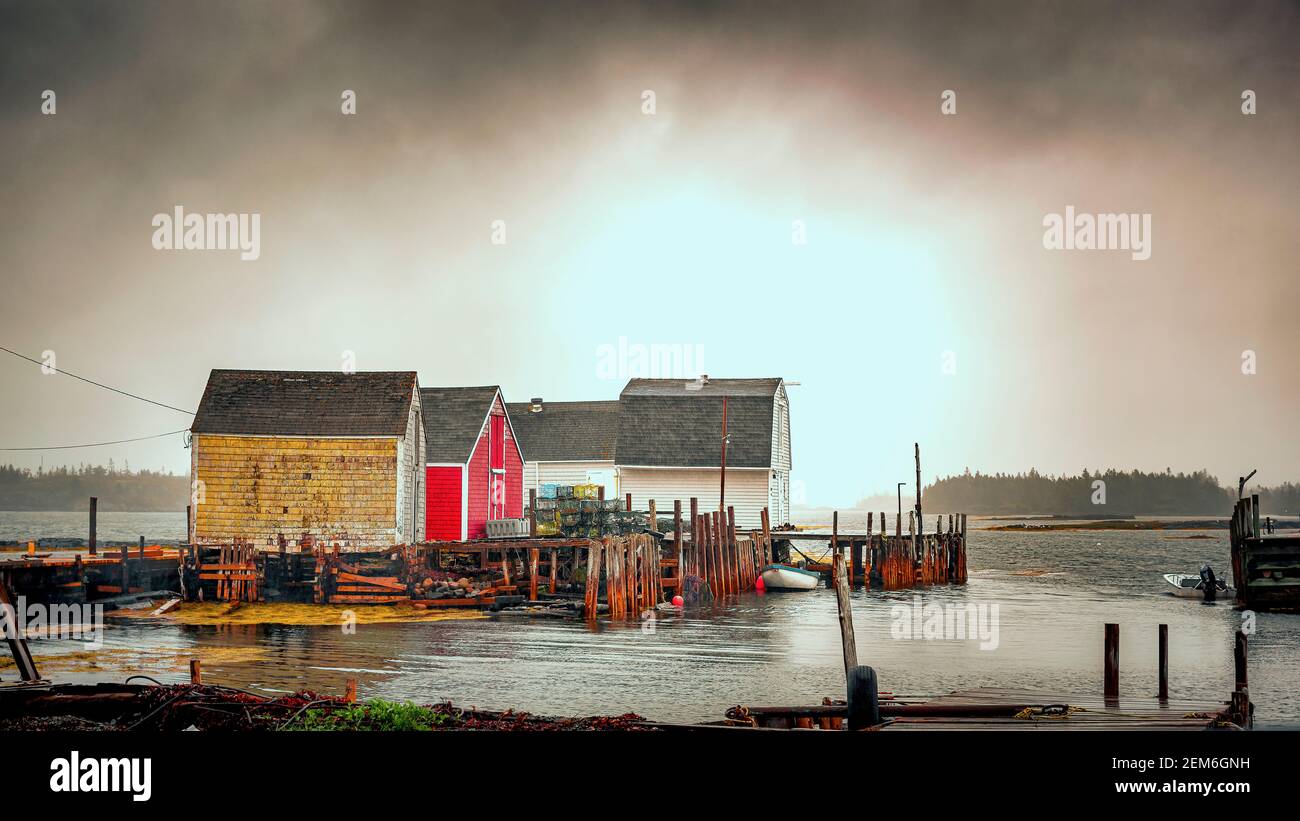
(1190, 586)
(787, 577)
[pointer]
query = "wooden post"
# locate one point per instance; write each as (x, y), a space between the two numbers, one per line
(533, 553)
(697, 562)
(1112, 662)
(555, 571)
(720, 551)
(911, 549)
(189, 522)
(1163, 663)
(196, 672)
(532, 513)
(653, 517)
(141, 548)
(835, 546)
(920, 526)
(866, 562)
(1239, 660)
(736, 569)
(94, 507)
(847, 642)
(592, 594)
(722, 486)
(768, 558)
(629, 503)
(681, 543)
(350, 694)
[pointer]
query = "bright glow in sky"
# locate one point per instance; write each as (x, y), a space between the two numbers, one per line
(924, 231)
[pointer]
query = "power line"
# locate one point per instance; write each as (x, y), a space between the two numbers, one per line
(96, 384)
(102, 444)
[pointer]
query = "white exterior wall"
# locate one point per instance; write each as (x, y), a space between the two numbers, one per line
(747, 490)
(565, 473)
(778, 489)
(410, 477)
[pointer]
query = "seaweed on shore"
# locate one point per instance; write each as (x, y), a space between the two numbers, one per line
(179, 707)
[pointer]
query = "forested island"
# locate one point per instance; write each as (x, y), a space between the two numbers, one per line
(70, 488)
(1132, 493)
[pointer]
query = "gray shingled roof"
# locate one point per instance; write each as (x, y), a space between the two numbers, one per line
(305, 403)
(664, 423)
(453, 419)
(566, 431)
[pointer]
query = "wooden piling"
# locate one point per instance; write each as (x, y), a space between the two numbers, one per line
(533, 554)
(847, 642)
(1162, 663)
(1239, 660)
(835, 547)
(532, 513)
(196, 672)
(350, 693)
(1111, 679)
(737, 564)
(697, 563)
(94, 508)
(681, 542)
(719, 552)
(592, 593)
(629, 503)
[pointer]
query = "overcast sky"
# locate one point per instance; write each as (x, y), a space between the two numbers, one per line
(924, 231)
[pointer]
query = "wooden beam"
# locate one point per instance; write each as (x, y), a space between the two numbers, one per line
(847, 642)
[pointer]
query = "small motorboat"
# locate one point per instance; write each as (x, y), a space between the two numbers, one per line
(788, 577)
(1198, 586)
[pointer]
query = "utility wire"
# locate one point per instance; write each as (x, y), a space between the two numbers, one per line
(102, 444)
(98, 385)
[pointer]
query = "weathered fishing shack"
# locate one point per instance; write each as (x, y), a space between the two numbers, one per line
(567, 443)
(473, 465)
(671, 444)
(321, 455)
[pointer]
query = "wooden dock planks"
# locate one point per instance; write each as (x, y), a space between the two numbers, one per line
(1095, 713)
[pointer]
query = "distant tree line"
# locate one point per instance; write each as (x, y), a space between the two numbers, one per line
(1124, 493)
(70, 488)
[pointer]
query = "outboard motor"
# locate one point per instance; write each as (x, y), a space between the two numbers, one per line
(1209, 584)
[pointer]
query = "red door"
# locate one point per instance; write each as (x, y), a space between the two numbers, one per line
(497, 464)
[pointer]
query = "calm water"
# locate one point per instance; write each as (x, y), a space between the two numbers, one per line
(21, 526)
(779, 648)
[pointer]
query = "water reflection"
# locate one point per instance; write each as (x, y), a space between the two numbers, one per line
(1053, 593)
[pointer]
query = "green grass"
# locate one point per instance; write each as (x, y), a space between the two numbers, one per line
(382, 716)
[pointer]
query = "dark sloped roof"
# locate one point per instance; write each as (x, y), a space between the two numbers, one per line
(566, 431)
(662, 422)
(714, 387)
(453, 418)
(306, 403)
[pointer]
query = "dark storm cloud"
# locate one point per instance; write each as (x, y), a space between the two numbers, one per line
(473, 110)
